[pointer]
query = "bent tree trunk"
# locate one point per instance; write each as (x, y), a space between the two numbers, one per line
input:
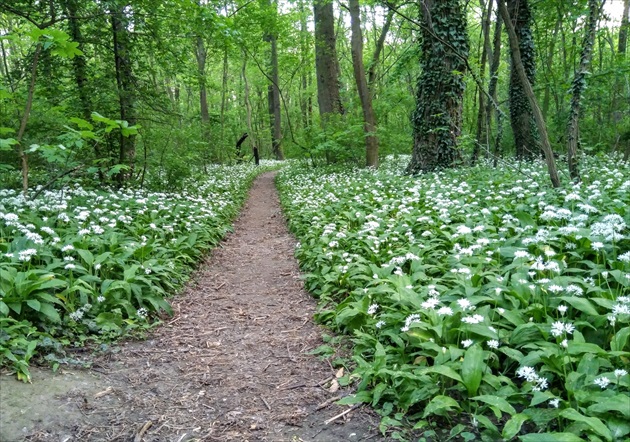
(529, 92)
(437, 119)
(369, 118)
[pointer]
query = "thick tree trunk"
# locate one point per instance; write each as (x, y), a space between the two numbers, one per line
(326, 63)
(371, 140)
(577, 89)
(521, 117)
(625, 27)
(124, 81)
(529, 92)
(437, 119)
(482, 129)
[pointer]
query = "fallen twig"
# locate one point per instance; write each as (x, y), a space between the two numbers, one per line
(143, 430)
(334, 418)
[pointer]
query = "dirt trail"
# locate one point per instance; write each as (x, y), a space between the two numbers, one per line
(231, 365)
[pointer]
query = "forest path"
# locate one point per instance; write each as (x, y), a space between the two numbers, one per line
(233, 364)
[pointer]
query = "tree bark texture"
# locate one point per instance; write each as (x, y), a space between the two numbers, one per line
(371, 74)
(521, 117)
(326, 62)
(529, 92)
(486, 52)
(124, 81)
(273, 94)
(492, 89)
(578, 86)
(625, 27)
(369, 118)
(437, 119)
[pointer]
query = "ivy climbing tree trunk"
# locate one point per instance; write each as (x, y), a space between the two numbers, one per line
(369, 118)
(521, 117)
(437, 119)
(326, 62)
(124, 82)
(529, 92)
(578, 86)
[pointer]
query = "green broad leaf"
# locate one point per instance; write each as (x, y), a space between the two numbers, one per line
(620, 340)
(4, 309)
(360, 398)
(87, 256)
(50, 312)
(525, 218)
(496, 401)
(592, 422)
(551, 437)
(472, 369)
(581, 304)
(486, 423)
(578, 348)
(81, 123)
(377, 393)
(513, 426)
(34, 304)
(7, 143)
(440, 405)
(444, 370)
(619, 427)
(619, 402)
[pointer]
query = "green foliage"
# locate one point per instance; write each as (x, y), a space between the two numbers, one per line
(90, 265)
(475, 296)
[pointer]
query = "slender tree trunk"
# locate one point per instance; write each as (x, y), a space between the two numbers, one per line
(124, 81)
(78, 62)
(224, 96)
(248, 104)
(326, 62)
(371, 74)
(492, 89)
(437, 119)
(625, 26)
(529, 91)
(521, 118)
(371, 140)
(550, 54)
(482, 128)
(273, 91)
(578, 86)
(201, 54)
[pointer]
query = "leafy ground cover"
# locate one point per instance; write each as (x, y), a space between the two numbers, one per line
(81, 265)
(480, 300)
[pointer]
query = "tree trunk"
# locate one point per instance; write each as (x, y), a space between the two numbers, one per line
(371, 140)
(326, 63)
(201, 54)
(529, 92)
(482, 128)
(306, 102)
(78, 62)
(492, 89)
(625, 26)
(577, 89)
(521, 117)
(437, 119)
(248, 104)
(371, 74)
(550, 55)
(124, 81)
(273, 93)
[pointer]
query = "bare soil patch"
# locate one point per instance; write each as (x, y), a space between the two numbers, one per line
(233, 364)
